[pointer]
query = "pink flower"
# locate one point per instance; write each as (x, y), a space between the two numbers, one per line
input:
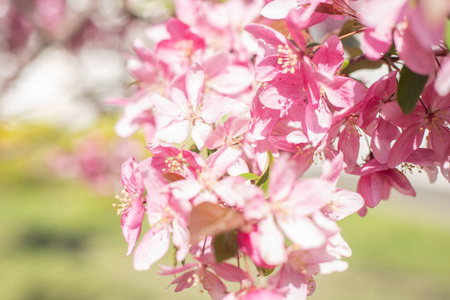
(278, 55)
(442, 84)
(225, 76)
(131, 206)
(291, 203)
(433, 116)
(209, 185)
(190, 110)
(172, 161)
(165, 215)
(376, 182)
(198, 273)
(138, 112)
(182, 48)
(415, 31)
(254, 293)
(295, 276)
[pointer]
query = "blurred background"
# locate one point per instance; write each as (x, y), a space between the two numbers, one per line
(60, 170)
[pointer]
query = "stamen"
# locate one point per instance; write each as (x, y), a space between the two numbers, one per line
(409, 168)
(124, 202)
(287, 59)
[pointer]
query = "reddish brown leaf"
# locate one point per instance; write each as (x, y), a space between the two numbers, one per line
(171, 177)
(329, 9)
(280, 26)
(209, 219)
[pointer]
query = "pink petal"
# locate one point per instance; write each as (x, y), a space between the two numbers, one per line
(185, 281)
(194, 83)
(297, 17)
(344, 92)
(409, 49)
(278, 9)
(229, 272)
(310, 195)
(152, 247)
(330, 56)
(261, 294)
(349, 146)
(238, 167)
(267, 34)
(271, 242)
(267, 68)
(169, 270)
(343, 204)
(215, 287)
(385, 133)
(281, 95)
(215, 108)
(217, 138)
(331, 169)
(232, 80)
(297, 137)
(221, 160)
(407, 143)
(200, 133)
(283, 175)
(185, 189)
(445, 164)
(399, 181)
(442, 82)
(302, 231)
(318, 122)
(215, 64)
(333, 266)
(370, 187)
(131, 222)
(376, 42)
(180, 239)
(175, 132)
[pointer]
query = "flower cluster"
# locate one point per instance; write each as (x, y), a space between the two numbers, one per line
(237, 101)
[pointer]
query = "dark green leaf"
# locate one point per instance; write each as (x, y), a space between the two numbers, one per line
(409, 89)
(349, 26)
(249, 176)
(351, 42)
(225, 246)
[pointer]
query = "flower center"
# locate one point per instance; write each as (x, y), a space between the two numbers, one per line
(287, 59)
(186, 47)
(174, 165)
(125, 202)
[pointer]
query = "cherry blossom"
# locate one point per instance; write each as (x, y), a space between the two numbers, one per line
(233, 130)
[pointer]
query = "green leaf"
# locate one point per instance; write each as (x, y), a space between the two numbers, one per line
(349, 26)
(173, 256)
(225, 246)
(447, 33)
(265, 188)
(265, 175)
(249, 176)
(409, 88)
(264, 271)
